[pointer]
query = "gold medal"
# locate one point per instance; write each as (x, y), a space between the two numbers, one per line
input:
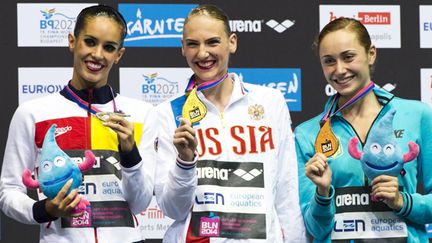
(193, 109)
(326, 142)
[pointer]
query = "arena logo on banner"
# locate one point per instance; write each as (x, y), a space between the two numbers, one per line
(43, 24)
(426, 85)
(286, 80)
(255, 26)
(38, 82)
(154, 25)
(153, 85)
(382, 21)
(425, 26)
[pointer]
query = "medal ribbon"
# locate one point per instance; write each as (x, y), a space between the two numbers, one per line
(205, 85)
(84, 104)
(353, 100)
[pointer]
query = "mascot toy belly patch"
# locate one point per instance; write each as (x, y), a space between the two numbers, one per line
(56, 168)
(381, 153)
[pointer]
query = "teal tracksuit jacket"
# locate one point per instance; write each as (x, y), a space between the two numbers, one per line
(412, 122)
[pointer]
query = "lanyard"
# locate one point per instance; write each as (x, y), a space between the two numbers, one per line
(354, 99)
(86, 105)
(205, 85)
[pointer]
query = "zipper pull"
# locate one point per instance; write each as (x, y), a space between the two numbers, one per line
(222, 119)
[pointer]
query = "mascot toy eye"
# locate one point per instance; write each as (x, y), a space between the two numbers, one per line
(56, 168)
(381, 154)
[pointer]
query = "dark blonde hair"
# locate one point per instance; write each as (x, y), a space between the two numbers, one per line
(211, 11)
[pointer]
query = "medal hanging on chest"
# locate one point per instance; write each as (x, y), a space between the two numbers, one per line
(193, 109)
(101, 115)
(326, 142)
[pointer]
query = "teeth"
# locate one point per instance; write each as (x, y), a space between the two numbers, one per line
(94, 65)
(344, 80)
(205, 64)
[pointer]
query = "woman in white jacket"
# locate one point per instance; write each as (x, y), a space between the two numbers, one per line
(120, 184)
(226, 168)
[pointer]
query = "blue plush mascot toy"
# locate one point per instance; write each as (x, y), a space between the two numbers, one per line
(56, 168)
(381, 153)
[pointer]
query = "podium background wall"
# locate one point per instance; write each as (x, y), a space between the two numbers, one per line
(400, 68)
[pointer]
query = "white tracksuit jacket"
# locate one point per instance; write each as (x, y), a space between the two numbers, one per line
(245, 183)
(110, 187)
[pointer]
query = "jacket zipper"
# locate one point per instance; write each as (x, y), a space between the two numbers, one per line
(221, 115)
(88, 127)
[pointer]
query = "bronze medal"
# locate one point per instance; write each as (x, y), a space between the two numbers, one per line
(326, 142)
(193, 109)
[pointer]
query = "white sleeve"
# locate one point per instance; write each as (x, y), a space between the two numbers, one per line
(138, 181)
(287, 201)
(20, 154)
(174, 184)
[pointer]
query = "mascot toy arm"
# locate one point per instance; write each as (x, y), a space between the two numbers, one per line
(381, 154)
(56, 168)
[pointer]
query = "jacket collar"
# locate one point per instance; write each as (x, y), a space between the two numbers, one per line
(383, 97)
(100, 95)
(239, 91)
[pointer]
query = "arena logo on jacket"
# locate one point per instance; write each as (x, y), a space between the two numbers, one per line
(359, 217)
(230, 200)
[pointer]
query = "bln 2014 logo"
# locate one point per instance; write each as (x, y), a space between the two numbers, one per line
(82, 221)
(210, 226)
(154, 25)
(56, 21)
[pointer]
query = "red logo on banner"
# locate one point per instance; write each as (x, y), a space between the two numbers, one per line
(153, 213)
(368, 18)
(374, 18)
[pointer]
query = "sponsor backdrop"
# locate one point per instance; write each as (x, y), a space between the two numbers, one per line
(275, 49)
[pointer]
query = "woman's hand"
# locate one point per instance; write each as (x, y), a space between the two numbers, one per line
(386, 188)
(185, 140)
(124, 130)
(62, 205)
(319, 172)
